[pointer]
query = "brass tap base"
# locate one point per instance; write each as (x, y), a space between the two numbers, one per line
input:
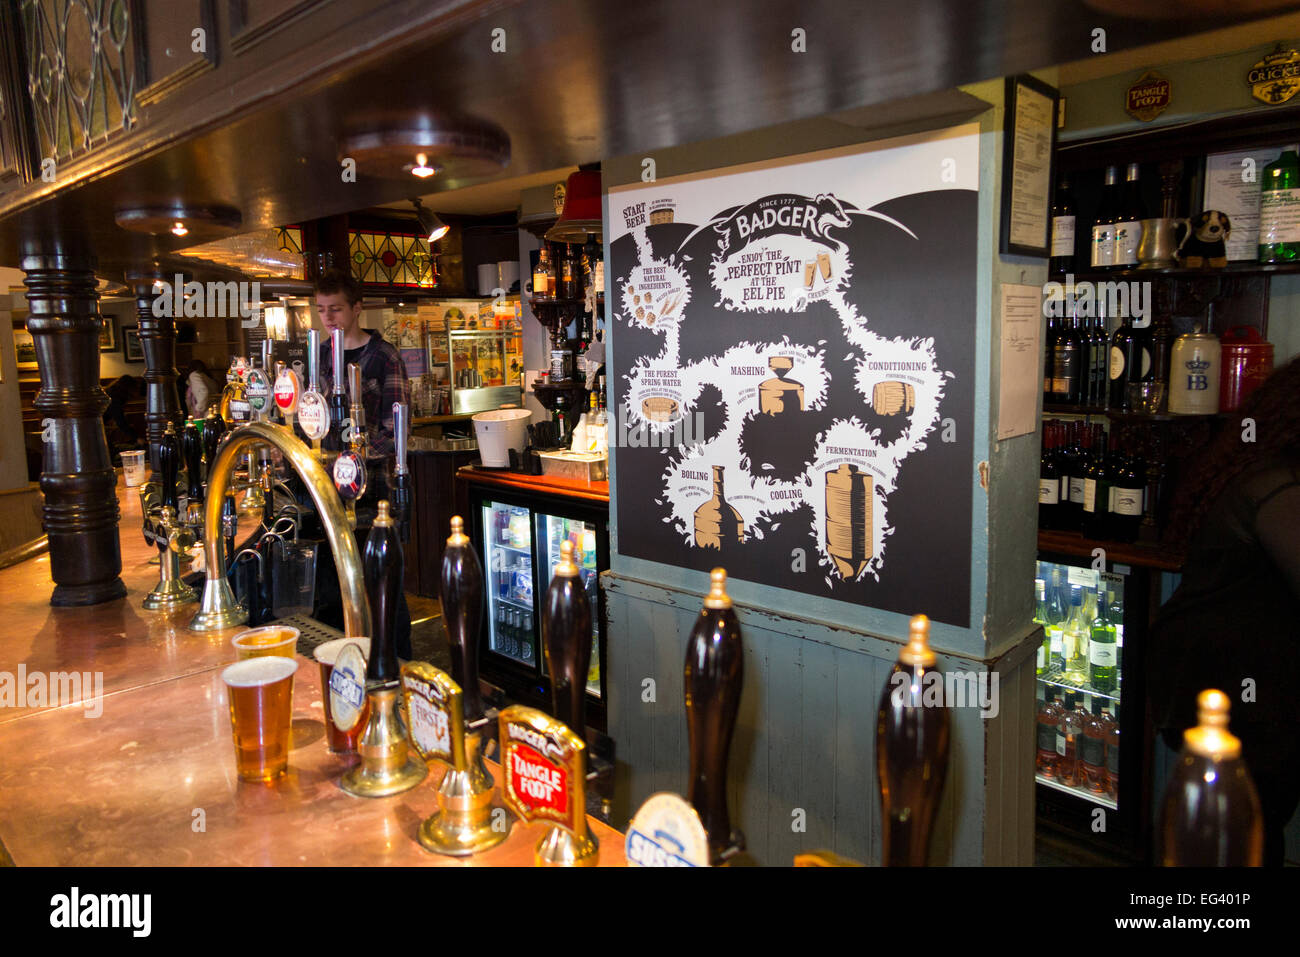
(464, 825)
(559, 848)
(219, 609)
(387, 765)
(169, 594)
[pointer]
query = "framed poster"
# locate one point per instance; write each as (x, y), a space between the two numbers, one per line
(793, 371)
(107, 342)
(24, 349)
(1028, 145)
(132, 351)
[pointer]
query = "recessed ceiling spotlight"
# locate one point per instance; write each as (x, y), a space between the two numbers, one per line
(179, 229)
(199, 222)
(422, 144)
(422, 168)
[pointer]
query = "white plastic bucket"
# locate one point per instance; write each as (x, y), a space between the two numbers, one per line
(498, 432)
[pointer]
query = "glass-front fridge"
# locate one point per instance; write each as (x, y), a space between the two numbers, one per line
(1090, 758)
(519, 538)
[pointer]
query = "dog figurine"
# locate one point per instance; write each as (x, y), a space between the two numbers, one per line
(1206, 241)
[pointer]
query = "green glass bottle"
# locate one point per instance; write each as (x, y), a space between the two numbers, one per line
(1279, 210)
(1040, 618)
(1103, 667)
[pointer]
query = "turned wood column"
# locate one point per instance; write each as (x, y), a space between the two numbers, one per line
(158, 340)
(77, 477)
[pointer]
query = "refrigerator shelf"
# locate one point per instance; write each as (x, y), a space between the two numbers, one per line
(1101, 800)
(1055, 678)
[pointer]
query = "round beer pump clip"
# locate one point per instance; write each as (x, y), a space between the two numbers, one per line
(666, 832)
(313, 415)
(287, 389)
(347, 688)
(350, 476)
(258, 391)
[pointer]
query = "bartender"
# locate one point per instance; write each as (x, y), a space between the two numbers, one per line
(383, 382)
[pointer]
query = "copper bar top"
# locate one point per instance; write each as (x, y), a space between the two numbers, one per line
(597, 492)
(145, 773)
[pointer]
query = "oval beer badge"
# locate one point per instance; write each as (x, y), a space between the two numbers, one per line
(287, 390)
(347, 688)
(666, 832)
(313, 415)
(258, 390)
(1148, 97)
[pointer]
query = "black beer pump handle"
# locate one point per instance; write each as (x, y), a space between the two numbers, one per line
(713, 678)
(382, 567)
(169, 452)
(566, 638)
(214, 429)
(192, 452)
(460, 588)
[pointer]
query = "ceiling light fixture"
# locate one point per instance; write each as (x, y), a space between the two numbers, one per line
(432, 227)
(422, 168)
(178, 228)
(422, 143)
(200, 222)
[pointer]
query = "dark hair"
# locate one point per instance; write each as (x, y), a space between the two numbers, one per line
(336, 281)
(1276, 414)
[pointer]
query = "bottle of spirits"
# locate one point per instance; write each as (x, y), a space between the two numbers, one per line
(570, 275)
(1092, 751)
(911, 752)
(1075, 640)
(1211, 814)
(1068, 729)
(1279, 210)
(541, 275)
(1049, 479)
(1103, 227)
(1130, 361)
(1044, 661)
(552, 277)
(1128, 221)
(1103, 666)
(1049, 718)
(1096, 490)
(1112, 749)
(1063, 221)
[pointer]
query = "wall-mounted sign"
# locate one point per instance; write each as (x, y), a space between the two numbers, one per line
(1276, 78)
(794, 371)
(1148, 97)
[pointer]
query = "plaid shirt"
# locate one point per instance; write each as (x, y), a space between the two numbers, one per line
(383, 382)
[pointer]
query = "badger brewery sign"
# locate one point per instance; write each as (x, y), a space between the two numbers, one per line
(1148, 97)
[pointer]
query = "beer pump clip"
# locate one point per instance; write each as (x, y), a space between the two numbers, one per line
(288, 389)
(313, 410)
(544, 760)
(446, 719)
(350, 466)
(257, 390)
(667, 831)
(171, 536)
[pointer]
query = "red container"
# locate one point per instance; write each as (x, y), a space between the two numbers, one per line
(1247, 362)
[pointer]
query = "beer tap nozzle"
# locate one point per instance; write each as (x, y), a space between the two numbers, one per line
(401, 490)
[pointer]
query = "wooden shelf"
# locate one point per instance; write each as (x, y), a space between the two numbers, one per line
(1159, 556)
(1051, 408)
(1181, 272)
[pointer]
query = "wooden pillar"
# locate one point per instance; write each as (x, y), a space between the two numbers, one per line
(158, 339)
(77, 478)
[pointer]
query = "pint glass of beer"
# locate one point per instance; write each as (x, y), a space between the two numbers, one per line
(261, 711)
(269, 640)
(340, 742)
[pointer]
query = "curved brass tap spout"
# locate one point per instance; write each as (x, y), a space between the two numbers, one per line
(219, 609)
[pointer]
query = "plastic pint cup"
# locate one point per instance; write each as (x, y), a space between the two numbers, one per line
(279, 640)
(340, 742)
(260, 691)
(133, 468)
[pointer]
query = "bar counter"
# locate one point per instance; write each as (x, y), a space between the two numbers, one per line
(151, 779)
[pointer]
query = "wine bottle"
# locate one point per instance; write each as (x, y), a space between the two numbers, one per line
(566, 636)
(1094, 522)
(1075, 639)
(1128, 220)
(1068, 729)
(1126, 491)
(1130, 362)
(1078, 467)
(1279, 210)
(713, 677)
(1103, 227)
(911, 752)
(1049, 480)
(1103, 668)
(1049, 717)
(382, 567)
(1063, 227)
(1067, 363)
(460, 589)
(1049, 359)
(1211, 815)
(1092, 750)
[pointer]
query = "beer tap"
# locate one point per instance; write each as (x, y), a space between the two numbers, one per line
(350, 466)
(338, 402)
(400, 495)
(387, 766)
(911, 752)
(171, 537)
(446, 717)
(313, 410)
(713, 676)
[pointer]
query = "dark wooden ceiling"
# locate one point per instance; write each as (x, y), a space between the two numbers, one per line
(580, 81)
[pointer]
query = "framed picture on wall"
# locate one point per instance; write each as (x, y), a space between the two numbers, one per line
(132, 351)
(24, 349)
(107, 341)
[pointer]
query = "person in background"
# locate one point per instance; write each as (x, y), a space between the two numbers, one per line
(202, 389)
(120, 393)
(1232, 622)
(383, 382)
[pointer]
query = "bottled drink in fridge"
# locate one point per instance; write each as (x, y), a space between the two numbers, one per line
(1075, 640)
(1211, 815)
(1092, 750)
(1049, 717)
(1068, 729)
(1103, 670)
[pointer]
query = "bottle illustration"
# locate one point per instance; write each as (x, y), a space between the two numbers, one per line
(717, 523)
(780, 395)
(848, 519)
(891, 398)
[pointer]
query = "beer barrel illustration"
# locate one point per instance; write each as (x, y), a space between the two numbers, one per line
(848, 519)
(891, 398)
